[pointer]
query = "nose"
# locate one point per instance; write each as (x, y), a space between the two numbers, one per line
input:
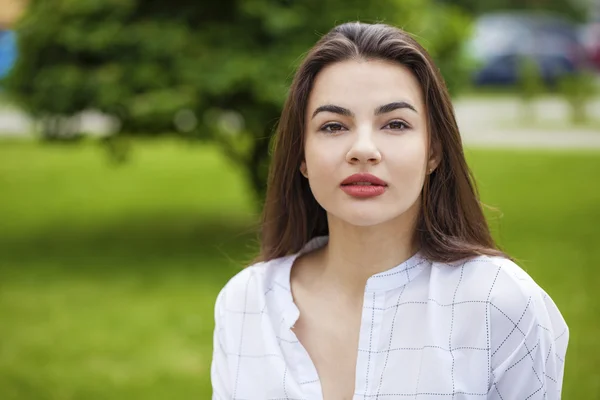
(363, 149)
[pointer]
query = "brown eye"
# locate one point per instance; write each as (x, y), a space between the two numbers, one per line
(397, 125)
(332, 127)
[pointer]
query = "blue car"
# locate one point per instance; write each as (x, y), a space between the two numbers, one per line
(501, 41)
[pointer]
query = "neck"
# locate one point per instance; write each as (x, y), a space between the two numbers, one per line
(355, 253)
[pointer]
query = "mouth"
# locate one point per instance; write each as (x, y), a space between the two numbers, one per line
(363, 186)
(363, 180)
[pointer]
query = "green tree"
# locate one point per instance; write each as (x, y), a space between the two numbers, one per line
(217, 71)
(530, 86)
(578, 89)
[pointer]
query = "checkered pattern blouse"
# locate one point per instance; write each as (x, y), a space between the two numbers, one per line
(477, 329)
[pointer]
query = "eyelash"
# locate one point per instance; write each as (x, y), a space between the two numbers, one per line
(327, 126)
(399, 121)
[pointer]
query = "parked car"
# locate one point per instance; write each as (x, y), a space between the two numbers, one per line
(590, 38)
(501, 41)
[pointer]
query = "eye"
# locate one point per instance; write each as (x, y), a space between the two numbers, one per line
(397, 125)
(332, 127)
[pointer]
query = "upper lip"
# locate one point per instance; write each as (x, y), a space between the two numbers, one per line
(363, 178)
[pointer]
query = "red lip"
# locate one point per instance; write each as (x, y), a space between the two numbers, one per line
(366, 178)
(351, 186)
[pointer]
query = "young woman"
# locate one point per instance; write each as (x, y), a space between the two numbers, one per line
(378, 277)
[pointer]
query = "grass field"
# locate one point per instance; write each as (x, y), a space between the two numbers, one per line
(108, 274)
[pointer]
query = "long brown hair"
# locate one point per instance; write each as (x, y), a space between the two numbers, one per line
(451, 224)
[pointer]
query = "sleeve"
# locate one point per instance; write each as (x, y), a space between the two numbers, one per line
(528, 342)
(219, 370)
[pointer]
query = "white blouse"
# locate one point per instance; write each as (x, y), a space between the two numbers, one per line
(477, 329)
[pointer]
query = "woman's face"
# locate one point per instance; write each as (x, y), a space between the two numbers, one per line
(367, 117)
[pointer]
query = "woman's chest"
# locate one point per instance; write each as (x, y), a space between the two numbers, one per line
(330, 340)
(419, 349)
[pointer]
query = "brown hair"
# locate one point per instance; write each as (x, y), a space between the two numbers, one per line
(451, 224)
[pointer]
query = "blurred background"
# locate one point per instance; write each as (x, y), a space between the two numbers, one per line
(134, 140)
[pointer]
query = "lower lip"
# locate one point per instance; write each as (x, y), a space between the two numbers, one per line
(364, 191)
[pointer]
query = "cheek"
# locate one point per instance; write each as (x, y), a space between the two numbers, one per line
(323, 164)
(406, 165)
(320, 158)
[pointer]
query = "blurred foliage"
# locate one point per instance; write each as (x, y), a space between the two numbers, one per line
(578, 89)
(569, 8)
(216, 71)
(530, 86)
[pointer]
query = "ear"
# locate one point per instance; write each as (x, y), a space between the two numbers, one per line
(435, 156)
(303, 169)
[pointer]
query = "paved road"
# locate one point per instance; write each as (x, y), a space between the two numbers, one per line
(485, 122)
(499, 123)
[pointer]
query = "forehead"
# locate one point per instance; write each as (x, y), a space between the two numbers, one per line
(358, 84)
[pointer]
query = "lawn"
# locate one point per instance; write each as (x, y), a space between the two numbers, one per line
(108, 273)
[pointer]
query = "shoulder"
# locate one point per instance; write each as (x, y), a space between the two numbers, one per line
(523, 315)
(497, 280)
(520, 314)
(245, 292)
(514, 299)
(480, 279)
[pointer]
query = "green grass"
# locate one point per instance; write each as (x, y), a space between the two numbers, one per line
(108, 274)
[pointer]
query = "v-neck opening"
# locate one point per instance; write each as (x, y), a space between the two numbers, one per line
(375, 288)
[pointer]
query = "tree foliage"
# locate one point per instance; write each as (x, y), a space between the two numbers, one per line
(575, 9)
(217, 71)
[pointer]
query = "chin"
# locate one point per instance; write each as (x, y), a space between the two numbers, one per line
(371, 215)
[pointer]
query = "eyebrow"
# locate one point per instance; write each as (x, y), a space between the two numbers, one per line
(386, 108)
(394, 106)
